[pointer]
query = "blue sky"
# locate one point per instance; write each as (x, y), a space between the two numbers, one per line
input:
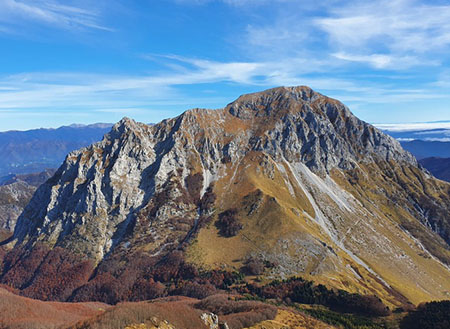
(83, 61)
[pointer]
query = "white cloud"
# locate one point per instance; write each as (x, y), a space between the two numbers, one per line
(400, 26)
(404, 127)
(237, 3)
(382, 61)
(49, 12)
(383, 34)
(113, 93)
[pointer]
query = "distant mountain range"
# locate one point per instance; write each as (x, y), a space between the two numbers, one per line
(426, 149)
(440, 167)
(423, 140)
(35, 150)
(428, 142)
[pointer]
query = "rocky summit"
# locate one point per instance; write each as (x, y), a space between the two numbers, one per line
(285, 182)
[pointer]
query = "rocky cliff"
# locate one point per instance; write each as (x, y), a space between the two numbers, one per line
(287, 177)
(15, 193)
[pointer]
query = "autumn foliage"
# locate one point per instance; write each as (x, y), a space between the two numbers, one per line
(302, 291)
(237, 313)
(228, 224)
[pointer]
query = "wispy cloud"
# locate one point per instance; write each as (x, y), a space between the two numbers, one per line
(419, 126)
(382, 61)
(51, 13)
(400, 25)
(383, 34)
(237, 3)
(376, 53)
(401, 29)
(113, 93)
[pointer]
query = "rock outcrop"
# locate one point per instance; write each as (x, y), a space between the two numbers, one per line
(13, 198)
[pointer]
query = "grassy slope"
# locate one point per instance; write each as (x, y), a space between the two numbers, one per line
(285, 213)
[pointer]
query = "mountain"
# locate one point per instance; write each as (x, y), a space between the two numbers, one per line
(430, 146)
(34, 179)
(426, 149)
(423, 140)
(439, 167)
(38, 149)
(15, 193)
(280, 183)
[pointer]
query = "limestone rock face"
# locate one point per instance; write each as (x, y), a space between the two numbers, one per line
(13, 198)
(211, 320)
(15, 193)
(315, 130)
(316, 191)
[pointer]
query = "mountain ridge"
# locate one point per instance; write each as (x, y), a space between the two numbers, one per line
(306, 185)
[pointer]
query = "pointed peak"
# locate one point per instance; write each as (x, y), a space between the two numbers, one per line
(125, 124)
(126, 121)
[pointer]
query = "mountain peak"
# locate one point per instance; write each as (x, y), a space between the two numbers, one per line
(274, 102)
(127, 127)
(125, 123)
(299, 123)
(296, 171)
(295, 92)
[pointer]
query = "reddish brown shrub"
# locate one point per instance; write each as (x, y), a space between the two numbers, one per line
(103, 287)
(228, 223)
(19, 265)
(58, 275)
(237, 313)
(194, 185)
(194, 289)
(147, 289)
(253, 267)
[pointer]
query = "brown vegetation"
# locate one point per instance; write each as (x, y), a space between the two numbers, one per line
(298, 290)
(237, 313)
(24, 313)
(176, 310)
(228, 223)
(44, 274)
(194, 184)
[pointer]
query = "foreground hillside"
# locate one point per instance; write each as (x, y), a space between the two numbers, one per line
(282, 183)
(25, 313)
(217, 311)
(167, 313)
